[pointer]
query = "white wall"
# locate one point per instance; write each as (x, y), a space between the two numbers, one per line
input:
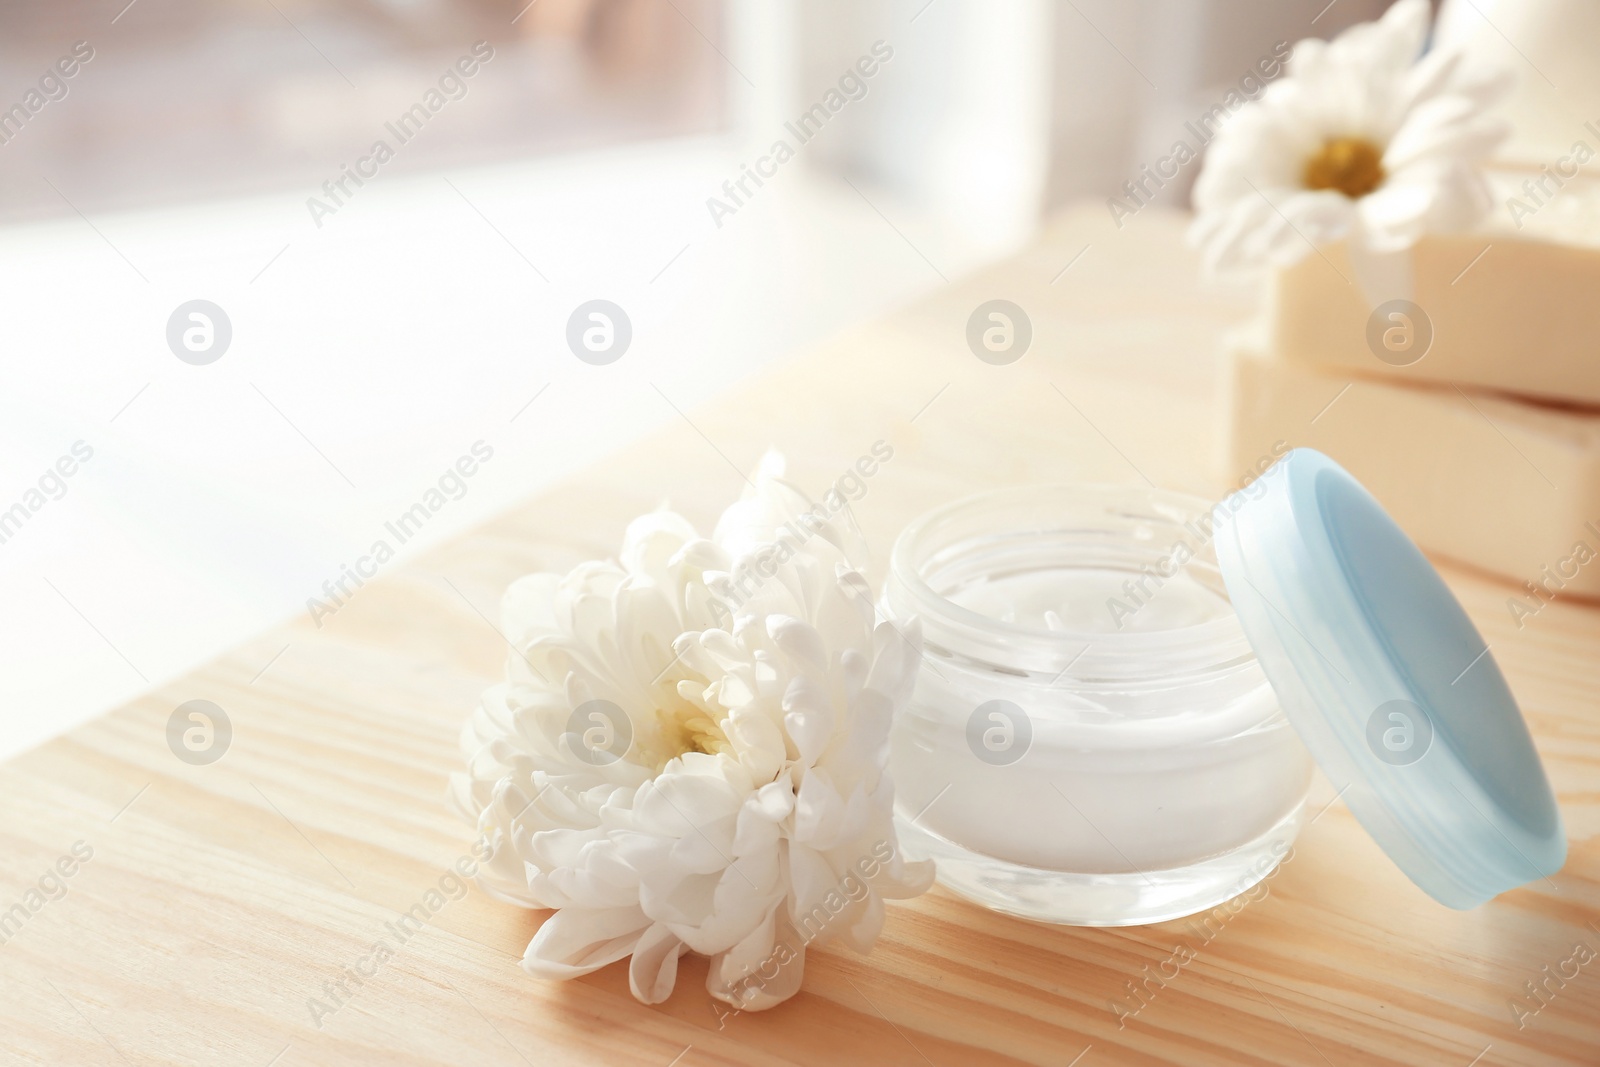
(1129, 73)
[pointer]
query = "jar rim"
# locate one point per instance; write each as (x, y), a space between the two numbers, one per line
(1212, 644)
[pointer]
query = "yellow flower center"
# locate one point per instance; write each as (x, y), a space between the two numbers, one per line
(1352, 165)
(686, 728)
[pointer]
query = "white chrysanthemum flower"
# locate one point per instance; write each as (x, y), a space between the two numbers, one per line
(1361, 142)
(689, 754)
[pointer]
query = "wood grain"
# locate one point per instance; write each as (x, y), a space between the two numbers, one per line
(219, 899)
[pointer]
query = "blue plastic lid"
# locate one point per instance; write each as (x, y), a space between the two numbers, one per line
(1388, 682)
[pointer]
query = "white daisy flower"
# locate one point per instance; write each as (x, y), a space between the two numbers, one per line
(689, 754)
(1361, 141)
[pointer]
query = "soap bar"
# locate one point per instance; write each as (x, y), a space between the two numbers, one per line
(1505, 311)
(1505, 486)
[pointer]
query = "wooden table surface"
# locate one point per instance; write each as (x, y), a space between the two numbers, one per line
(218, 900)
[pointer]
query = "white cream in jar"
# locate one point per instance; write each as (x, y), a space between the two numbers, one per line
(1091, 739)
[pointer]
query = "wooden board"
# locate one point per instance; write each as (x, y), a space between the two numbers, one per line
(220, 899)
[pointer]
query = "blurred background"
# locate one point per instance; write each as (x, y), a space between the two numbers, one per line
(386, 310)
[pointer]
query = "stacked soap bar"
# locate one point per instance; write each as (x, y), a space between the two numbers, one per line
(1473, 413)
(1506, 313)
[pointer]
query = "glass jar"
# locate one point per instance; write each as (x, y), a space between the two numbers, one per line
(1091, 739)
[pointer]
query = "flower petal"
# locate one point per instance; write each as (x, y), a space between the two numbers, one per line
(654, 969)
(576, 941)
(771, 980)
(809, 717)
